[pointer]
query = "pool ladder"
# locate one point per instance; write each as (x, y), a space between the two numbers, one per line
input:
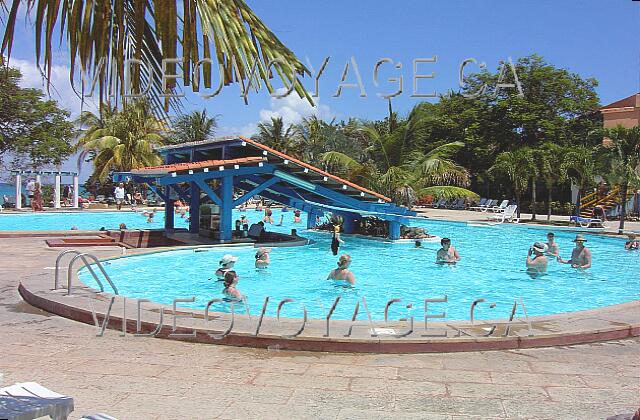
(83, 256)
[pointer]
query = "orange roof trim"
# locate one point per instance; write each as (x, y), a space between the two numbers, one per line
(176, 167)
(313, 168)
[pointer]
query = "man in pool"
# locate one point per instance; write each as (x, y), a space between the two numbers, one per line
(552, 247)
(447, 254)
(538, 264)
(342, 272)
(580, 256)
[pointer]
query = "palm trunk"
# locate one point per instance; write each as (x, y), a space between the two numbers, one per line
(623, 200)
(518, 201)
(549, 205)
(533, 200)
(579, 197)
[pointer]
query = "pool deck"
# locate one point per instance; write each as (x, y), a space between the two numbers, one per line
(136, 377)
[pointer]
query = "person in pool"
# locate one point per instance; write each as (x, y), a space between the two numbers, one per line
(230, 290)
(226, 264)
(418, 243)
(553, 249)
(296, 216)
(342, 272)
(537, 264)
(632, 244)
(268, 215)
(580, 256)
(335, 240)
(262, 258)
(447, 254)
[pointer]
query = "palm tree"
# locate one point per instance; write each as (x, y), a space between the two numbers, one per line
(102, 32)
(196, 126)
(623, 151)
(549, 158)
(275, 135)
(422, 172)
(517, 166)
(580, 166)
(124, 141)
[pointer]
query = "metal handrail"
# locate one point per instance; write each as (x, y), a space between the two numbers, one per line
(60, 255)
(86, 263)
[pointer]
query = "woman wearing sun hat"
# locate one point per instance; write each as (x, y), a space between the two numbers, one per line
(262, 258)
(538, 264)
(580, 256)
(226, 263)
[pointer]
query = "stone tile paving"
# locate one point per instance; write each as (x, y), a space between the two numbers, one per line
(145, 378)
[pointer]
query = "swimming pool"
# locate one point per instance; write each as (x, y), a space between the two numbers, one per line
(94, 220)
(492, 268)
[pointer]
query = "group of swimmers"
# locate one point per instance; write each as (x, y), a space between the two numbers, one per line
(268, 215)
(229, 276)
(537, 258)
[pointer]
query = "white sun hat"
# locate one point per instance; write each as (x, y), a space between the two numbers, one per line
(228, 258)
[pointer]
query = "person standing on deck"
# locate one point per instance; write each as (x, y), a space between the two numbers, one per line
(118, 193)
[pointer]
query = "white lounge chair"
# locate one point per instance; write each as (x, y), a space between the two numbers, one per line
(29, 400)
(587, 222)
(500, 208)
(98, 416)
(508, 215)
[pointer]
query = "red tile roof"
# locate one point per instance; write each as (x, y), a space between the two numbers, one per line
(164, 169)
(313, 168)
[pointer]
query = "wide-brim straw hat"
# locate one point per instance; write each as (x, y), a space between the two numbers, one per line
(579, 237)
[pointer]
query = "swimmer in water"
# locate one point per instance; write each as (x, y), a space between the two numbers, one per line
(447, 254)
(538, 264)
(418, 243)
(150, 216)
(580, 256)
(296, 216)
(262, 258)
(342, 272)
(226, 264)
(553, 249)
(632, 244)
(230, 290)
(335, 240)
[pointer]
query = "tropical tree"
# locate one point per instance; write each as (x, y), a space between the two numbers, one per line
(32, 128)
(195, 126)
(549, 159)
(517, 166)
(623, 151)
(275, 135)
(580, 166)
(124, 140)
(226, 34)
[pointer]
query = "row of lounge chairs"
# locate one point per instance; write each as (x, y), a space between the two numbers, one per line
(490, 205)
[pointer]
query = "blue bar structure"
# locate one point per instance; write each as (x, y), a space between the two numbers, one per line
(216, 168)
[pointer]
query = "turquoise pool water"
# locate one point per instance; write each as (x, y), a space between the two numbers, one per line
(111, 220)
(492, 268)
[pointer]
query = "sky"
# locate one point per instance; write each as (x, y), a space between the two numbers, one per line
(592, 38)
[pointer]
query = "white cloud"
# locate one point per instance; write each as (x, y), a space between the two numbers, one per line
(60, 89)
(291, 108)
